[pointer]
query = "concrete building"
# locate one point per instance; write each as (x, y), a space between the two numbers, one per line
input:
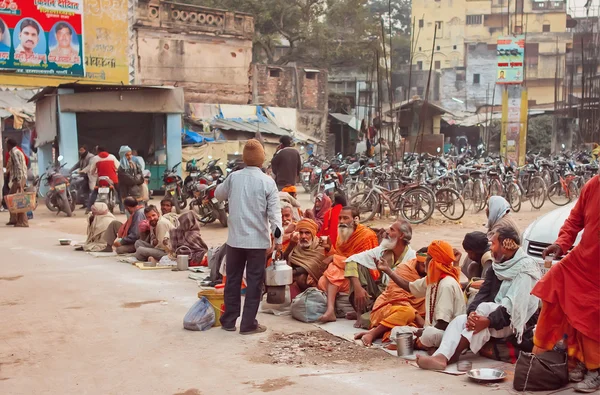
(464, 54)
(207, 52)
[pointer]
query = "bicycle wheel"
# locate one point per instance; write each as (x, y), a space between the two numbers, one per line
(367, 204)
(467, 194)
(479, 196)
(416, 205)
(537, 192)
(513, 196)
(449, 202)
(496, 188)
(558, 195)
(573, 189)
(547, 177)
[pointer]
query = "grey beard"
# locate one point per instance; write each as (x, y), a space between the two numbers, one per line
(305, 244)
(344, 233)
(388, 244)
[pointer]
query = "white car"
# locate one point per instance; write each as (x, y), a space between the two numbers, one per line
(544, 231)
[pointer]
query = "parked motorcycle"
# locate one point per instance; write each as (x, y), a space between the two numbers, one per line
(208, 207)
(174, 188)
(59, 196)
(79, 187)
(191, 179)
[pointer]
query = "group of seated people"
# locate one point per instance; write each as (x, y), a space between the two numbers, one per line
(147, 233)
(393, 288)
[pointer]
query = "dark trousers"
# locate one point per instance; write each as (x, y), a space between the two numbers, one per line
(254, 262)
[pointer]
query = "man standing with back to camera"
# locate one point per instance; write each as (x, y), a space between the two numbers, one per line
(253, 205)
(286, 164)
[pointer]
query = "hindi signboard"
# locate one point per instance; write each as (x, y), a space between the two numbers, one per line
(42, 37)
(510, 52)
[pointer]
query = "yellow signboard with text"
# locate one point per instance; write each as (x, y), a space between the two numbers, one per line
(106, 48)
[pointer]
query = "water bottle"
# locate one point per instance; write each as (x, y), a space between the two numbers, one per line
(561, 345)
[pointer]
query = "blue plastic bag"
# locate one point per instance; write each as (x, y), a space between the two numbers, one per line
(200, 317)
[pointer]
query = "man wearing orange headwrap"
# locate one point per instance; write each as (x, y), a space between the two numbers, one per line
(305, 255)
(353, 238)
(444, 299)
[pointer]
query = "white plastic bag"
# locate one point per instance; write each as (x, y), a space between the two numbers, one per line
(200, 317)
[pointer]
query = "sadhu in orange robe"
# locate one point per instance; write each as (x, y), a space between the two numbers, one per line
(362, 239)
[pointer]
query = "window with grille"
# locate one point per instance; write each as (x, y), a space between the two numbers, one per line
(474, 19)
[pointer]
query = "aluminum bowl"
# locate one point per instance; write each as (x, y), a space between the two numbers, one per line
(486, 375)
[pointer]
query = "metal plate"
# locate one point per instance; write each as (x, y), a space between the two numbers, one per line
(194, 174)
(486, 375)
(104, 190)
(329, 186)
(60, 187)
(214, 200)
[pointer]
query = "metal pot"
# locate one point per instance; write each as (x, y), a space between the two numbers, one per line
(404, 344)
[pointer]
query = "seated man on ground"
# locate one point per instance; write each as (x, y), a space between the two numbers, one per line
(478, 262)
(289, 226)
(353, 238)
(123, 236)
(504, 307)
(444, 299)
(98, 222)
(186, 238)
(159, 237)
(366, 281)
(166, 208)
(305, 255)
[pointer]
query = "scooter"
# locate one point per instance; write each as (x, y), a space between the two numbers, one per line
(59, 196)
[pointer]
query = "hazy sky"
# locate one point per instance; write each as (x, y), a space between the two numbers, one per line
(575, 7)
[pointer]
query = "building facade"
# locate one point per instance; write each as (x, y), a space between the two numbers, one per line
(464, 49)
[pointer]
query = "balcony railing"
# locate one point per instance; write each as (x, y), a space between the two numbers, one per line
(191, 18)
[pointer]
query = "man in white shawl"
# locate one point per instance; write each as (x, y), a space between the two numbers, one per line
(366, 281)
(98, 221)
(504, 307)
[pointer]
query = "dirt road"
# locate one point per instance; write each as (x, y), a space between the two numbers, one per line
(74, 324)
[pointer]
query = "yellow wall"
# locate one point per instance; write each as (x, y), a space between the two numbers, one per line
(106, 40)
(452, 32)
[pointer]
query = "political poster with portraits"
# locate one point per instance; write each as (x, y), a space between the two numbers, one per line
(42, 37)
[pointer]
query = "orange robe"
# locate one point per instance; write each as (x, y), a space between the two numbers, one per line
(362, 239)
(395, 306)
(570, 291)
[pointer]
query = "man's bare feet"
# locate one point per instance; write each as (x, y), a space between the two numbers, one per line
(151, 259)
(358, 323)
(329, 316)
(351, 315)
(366, 337)
(438, 362)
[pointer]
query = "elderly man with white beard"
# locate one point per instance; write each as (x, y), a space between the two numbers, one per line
(306, 256)
(366, 280)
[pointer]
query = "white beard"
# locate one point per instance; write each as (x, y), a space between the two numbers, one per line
(344, 234)
(388, 244)
(305, 245)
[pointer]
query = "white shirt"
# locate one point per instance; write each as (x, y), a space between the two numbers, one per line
(449, 302)
(253, 204)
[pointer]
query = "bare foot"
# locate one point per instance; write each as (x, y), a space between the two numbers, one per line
(329, 316)
(358, 323)
(152, 260)
(366, 337)
(351, 315)
(437, 362)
